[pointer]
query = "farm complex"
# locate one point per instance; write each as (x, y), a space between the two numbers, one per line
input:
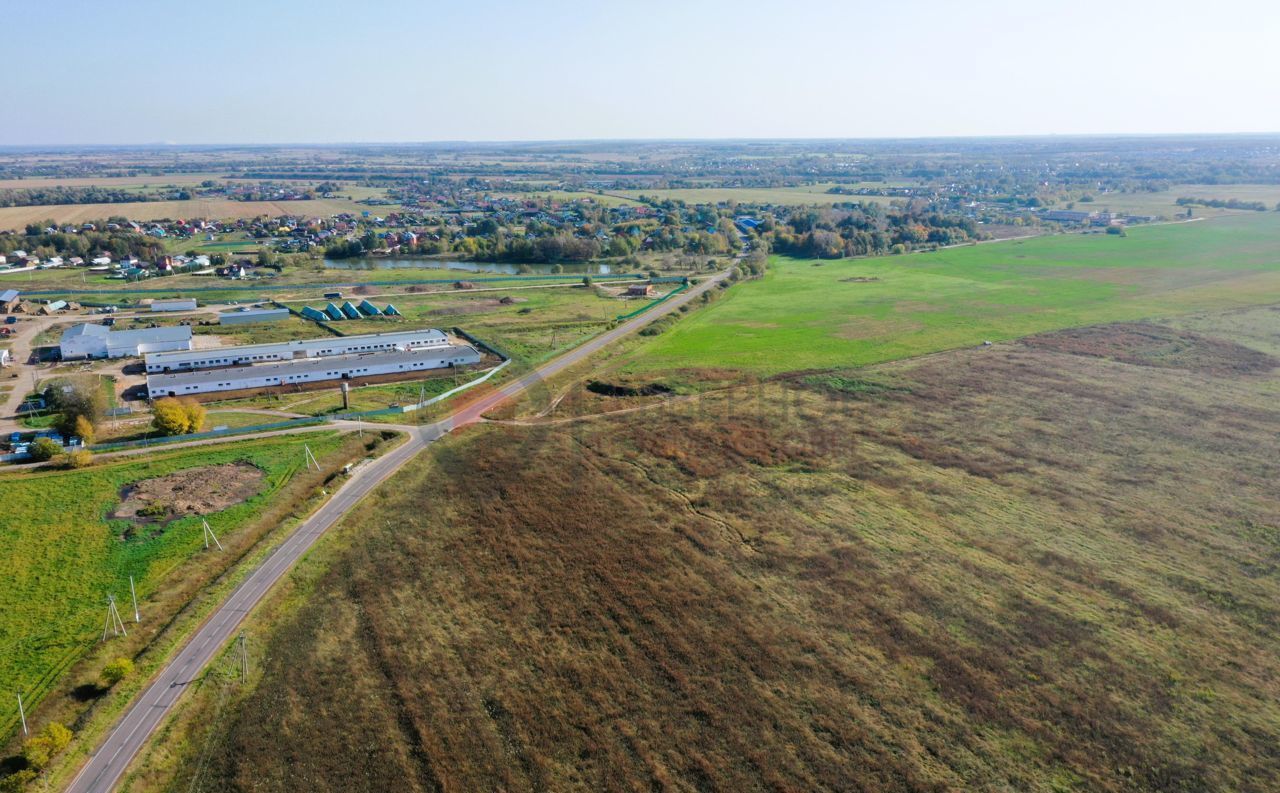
(257, 366)
(292, 350)
(312, 370)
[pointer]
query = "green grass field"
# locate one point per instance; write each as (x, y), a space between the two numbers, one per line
(817, 314)
(1164, 203)
(60, 555)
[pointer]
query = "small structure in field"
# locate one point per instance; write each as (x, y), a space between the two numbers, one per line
(252, 315)
(183, 304)
(640, 290)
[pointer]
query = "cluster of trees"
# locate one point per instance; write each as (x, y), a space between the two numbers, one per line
(177, 416)
(37, 752)
(579, 232)
(865, 230)
(50, 196)
(37, 241)
(508, 245)
(1223, 203)
(80, 406)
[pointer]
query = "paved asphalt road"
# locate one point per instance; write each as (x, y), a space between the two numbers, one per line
(105, 767)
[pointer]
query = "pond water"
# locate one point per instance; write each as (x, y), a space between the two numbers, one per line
(409, 263)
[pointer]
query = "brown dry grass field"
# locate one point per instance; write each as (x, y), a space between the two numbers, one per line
(1042, 565)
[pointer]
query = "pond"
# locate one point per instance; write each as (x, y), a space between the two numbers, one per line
(502, 268)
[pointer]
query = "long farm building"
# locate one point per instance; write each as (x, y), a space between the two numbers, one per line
(294, 350)
(310, 370)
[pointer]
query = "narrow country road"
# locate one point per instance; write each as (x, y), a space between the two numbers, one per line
(123, 742)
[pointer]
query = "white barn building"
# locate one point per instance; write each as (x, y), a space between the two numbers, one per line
(294, 350)
(334, 367)
(99, 341)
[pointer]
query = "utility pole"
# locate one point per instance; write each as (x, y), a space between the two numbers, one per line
(208, 534)
(134, 594)
(115, 625)
(23, 714)
(243, 652)
(311, 458)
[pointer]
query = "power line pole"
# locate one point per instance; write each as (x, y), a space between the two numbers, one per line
(134, 594)
(244, 657)
(311, 458)
(23, 714)
(208, 534)
(115, 625)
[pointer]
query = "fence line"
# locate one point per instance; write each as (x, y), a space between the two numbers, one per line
(452, 391)
(567, 277)
(657, 302)
(196, 436)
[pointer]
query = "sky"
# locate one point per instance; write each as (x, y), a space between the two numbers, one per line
(319, 71)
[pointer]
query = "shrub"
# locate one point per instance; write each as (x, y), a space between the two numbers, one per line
(17, 782)
(80, 458)
(39, 749)
(116, 671)
(173, 416)
(156, 509)
(44, 449)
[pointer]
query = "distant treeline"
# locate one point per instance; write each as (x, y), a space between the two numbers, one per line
(52, 196)
(1222, 203)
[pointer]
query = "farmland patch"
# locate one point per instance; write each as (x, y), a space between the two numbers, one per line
(194, 491)
(1148, 344)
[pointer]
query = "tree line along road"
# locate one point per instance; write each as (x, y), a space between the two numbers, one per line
(126, 738)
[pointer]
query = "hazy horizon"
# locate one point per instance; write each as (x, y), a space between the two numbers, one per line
(424, 72)
(619, 140)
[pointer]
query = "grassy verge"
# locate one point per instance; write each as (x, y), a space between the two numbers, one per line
(177, 581)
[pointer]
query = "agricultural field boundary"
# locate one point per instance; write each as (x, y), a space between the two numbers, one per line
(653, 303)
(568, 278)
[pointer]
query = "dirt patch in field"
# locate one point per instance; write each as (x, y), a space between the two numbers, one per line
(1147, 344)
(195, 491)
(625, 390)
(859, 279)
(477, 306)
